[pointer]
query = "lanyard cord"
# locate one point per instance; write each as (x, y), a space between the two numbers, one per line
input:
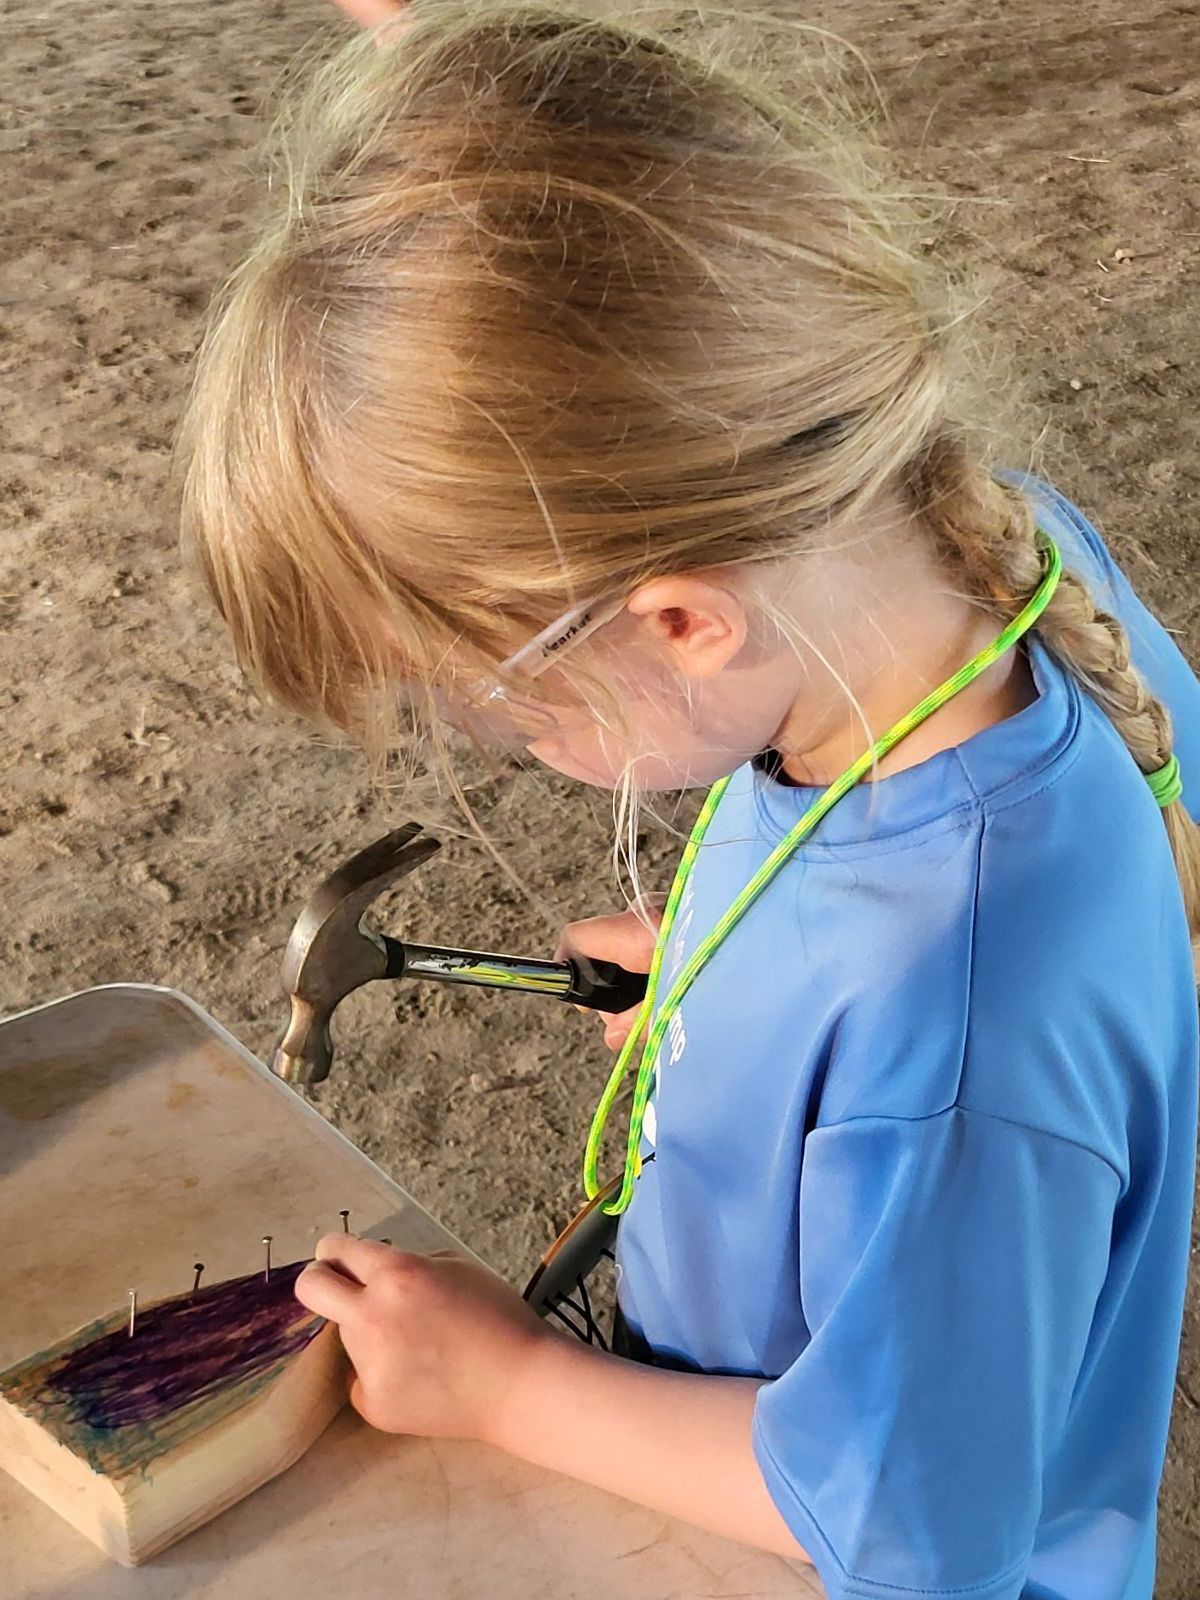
(782, 853)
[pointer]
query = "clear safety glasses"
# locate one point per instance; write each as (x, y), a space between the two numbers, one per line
(494, 711)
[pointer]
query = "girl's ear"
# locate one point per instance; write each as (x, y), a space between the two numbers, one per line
(700, 623)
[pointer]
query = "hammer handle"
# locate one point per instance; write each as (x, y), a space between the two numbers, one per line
(596, 985)
(604, 986)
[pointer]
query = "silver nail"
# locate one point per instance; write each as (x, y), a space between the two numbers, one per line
(198, 1268)
(345, 1216)
(132, 1310)
(267, 1271)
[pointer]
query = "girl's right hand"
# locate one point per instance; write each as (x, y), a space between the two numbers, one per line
(623, 938)
(370, 13)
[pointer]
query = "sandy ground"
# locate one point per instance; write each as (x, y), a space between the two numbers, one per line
(158, 823)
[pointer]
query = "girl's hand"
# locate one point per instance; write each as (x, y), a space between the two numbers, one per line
(442, 1348)
(623, 938)
(436, 1342)
(370, 13)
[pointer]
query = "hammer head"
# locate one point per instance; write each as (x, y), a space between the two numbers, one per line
(330, 952)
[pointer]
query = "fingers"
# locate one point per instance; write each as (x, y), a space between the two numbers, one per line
(623, 938)
(334, 1283)
(370, 13)
(619, 1026)
(354, 1257)
(327, 1292)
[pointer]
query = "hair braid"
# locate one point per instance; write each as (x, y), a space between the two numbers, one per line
(987, 532)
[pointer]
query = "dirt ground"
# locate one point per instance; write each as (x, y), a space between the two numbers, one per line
(158, 823)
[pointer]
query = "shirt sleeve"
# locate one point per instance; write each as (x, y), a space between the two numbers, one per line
(949, 1268)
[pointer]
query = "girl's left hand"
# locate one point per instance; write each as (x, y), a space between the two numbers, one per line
(436, 1342)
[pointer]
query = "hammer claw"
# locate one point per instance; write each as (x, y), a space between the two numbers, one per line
(330, 952)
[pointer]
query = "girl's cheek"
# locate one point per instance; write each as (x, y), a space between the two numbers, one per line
(585, 766)
(661, 740)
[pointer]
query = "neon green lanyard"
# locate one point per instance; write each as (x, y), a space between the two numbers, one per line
(782, 853)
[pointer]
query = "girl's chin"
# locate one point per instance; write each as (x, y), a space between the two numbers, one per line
(650, 774)
(551, 754)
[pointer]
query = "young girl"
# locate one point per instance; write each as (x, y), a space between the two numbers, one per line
(591, 397)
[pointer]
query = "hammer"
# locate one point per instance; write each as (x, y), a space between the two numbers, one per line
(332, 952)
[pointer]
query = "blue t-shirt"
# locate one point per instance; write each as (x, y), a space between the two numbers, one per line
(924, 1136)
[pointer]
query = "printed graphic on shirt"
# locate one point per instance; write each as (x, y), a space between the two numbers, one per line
(675, 1043)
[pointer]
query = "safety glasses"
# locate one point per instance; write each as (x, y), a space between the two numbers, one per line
(494, 711)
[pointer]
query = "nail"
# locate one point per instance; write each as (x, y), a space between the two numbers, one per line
(345, 1216)
(197, 1268)
(267, 1271)
(132, 1310)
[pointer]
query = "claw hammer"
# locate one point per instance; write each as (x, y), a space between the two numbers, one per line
(332, 952)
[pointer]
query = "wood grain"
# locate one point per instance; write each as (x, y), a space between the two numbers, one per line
(138, 1439)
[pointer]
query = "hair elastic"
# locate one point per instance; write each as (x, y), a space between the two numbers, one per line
(1166, 783)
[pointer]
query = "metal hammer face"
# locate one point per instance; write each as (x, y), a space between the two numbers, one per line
(330, 953)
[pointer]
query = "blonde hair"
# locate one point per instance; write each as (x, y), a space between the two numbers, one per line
(550, 306)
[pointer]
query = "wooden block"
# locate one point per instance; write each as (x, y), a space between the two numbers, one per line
(139, 1439)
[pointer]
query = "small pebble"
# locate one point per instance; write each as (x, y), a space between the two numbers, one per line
(1075, 384)
(147, 879)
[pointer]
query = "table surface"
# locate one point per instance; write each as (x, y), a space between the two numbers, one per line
(138, 1137)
